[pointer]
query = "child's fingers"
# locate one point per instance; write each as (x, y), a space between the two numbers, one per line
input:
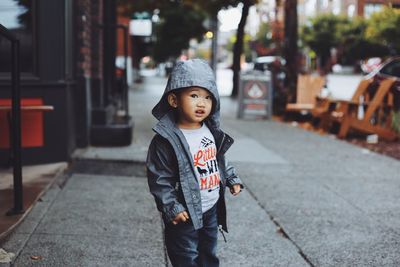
(235, 190)
(186, 215)
(181, 217)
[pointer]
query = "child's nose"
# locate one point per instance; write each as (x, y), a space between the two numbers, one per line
(201, 101)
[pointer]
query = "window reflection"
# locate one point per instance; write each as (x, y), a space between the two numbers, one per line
(16, 15)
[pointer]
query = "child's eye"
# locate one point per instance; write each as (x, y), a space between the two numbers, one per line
(208, 97)
(193, 95)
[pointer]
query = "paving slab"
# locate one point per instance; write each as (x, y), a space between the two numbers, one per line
(257, 153)
(336, 202)
(88, 250)
(94, 220)
(253, 239)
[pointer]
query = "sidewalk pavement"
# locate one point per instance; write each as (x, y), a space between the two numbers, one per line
(36, 179)
(310, 200)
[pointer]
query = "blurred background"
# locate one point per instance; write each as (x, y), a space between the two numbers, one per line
(82, 56)
(78, 79)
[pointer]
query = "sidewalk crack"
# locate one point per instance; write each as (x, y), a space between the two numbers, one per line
(280, 228)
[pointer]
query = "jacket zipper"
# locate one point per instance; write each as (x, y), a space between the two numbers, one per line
(222, 232)
(222, 142)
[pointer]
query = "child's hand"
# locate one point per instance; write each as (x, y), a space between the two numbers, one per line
(181, 217)
(235, 189)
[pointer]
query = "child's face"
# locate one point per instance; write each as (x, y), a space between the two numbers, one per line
(194, 104)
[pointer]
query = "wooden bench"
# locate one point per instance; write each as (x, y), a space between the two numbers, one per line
(308, 88)
(328, 110)
(377, 117)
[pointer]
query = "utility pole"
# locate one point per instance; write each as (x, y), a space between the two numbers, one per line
(214, 43)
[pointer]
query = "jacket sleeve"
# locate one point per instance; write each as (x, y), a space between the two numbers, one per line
(162, 177)
(231, 176)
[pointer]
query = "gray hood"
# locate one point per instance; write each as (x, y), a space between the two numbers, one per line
(193, 72)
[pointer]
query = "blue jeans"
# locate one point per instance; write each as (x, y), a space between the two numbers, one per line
(188, 247)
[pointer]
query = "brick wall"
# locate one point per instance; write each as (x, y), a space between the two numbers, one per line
(89, 38)
(120, 37)
(97, 39)
(83, 42)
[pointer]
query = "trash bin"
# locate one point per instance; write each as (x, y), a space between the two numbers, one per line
(255, 95)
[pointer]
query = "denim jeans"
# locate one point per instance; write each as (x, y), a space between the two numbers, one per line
(188, 247)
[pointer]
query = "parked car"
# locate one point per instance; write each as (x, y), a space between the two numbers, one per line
(389, 69)
(266, 62)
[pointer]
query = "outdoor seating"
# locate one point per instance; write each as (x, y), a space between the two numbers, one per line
(328, 110)
(377, 118)
(308, 88)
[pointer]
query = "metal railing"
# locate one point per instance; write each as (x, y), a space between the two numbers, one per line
(15, 131)
(125, 89)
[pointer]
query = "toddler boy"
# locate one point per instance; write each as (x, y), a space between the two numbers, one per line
(186, 167)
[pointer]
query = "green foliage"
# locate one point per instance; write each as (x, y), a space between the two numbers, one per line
(396, 121)
(385, 27)
(354, 44)
(355, 39)
(246, 46)
(180, 21)
(321, 34)
(264, 35)
(178, 25)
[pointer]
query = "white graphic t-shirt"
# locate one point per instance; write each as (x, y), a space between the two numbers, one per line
(204, 154)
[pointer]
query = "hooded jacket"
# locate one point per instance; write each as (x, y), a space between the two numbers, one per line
(170, 171)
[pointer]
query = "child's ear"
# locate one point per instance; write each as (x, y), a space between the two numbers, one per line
(172, 100)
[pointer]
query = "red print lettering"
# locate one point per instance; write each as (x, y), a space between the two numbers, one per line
(204, 155)
(216, 179)
(197, 157)
(203, 183)
(209, 182)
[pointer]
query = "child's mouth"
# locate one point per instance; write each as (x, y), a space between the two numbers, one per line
(200, 112)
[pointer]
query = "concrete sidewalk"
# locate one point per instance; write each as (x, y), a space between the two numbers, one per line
(310, 200)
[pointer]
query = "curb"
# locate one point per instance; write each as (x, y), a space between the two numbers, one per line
(109, 167)
(60, 176)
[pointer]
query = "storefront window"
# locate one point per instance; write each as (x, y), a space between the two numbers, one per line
(16, 15)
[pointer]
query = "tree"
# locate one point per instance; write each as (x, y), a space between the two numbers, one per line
(171, 36)
(321, 35)
(210, 8)
(385, 27)
(290, 48)
(354, 45)
(238, 47)
(180, 21)
(247, 48)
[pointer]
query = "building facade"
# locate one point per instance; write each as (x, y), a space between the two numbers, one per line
(67, 62)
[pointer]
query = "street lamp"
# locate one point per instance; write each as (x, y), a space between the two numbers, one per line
(209, 35)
